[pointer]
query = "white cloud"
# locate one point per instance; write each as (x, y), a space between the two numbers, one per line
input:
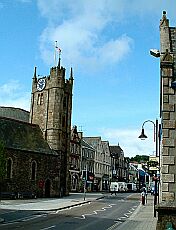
(129, 141)
(79, 29)
(10, 87)
(12, 94)
(115, 50)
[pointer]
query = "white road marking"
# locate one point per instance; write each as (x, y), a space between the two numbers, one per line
(101, 210)
(53, 226)
(118, 221)
(83, 217)
(114, 226)
(94, 212)
(129, 212)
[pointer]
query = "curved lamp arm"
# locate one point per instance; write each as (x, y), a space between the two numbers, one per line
(154, 130)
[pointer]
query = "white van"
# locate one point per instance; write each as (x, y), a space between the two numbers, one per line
(114, 187)
(123, 187)
(118, 187)
(132, 187)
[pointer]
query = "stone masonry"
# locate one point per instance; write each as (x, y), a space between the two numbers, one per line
(167, 206)
(168, 112)
(51, 108)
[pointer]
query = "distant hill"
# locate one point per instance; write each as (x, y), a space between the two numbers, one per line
(140, 158)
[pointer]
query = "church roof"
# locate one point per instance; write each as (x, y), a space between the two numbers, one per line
(24, 136)
(14, 113)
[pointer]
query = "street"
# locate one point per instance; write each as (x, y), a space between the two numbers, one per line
(100, 214)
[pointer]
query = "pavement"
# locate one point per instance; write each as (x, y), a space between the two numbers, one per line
(141, 219)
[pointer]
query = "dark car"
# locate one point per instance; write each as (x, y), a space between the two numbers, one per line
(29, 195)
(8, 195)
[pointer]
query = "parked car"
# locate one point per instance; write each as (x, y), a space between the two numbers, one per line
(27, 194)
(8, 195)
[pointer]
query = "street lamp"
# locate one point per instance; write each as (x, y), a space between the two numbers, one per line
(143, 137)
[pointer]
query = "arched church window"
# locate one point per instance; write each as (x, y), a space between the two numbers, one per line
(63, 121)
(65, 102)
(41, 99)
(38, 99)
(33, 170)
(9, 168)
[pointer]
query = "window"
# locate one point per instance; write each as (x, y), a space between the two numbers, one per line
(40, 99)
(9, 168)
(33, 170)
(65, 102)
(63, 121)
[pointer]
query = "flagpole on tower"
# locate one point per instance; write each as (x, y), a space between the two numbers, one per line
(55, 61)
(59, 57)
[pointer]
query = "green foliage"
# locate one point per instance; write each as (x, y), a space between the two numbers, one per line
(2, 161)
(140, 158)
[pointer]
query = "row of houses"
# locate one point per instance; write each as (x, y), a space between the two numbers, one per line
(95, 162)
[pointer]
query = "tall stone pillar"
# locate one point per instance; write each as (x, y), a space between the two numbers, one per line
(167, 206)
(168, 124)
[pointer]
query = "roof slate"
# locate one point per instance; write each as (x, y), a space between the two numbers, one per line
(86, 145)
(115, 150)
(23, 136)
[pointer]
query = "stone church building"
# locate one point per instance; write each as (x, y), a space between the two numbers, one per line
(37, 151)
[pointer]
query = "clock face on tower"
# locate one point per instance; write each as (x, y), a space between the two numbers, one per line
(41, 84)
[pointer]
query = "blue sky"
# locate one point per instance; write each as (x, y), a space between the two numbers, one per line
(107, 42)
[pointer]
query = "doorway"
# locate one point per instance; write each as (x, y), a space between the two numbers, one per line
(47, 188)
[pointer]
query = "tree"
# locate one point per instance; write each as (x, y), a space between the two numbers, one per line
(2, 165)
(140, 158)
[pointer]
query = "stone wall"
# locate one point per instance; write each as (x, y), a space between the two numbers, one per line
(48, 168)
(166, 215)
(167, 206)
(168, 111)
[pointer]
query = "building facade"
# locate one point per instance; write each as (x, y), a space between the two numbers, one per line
(101, 152)
(87, 166)
(106, 166)
(75, 160)
(118, 163)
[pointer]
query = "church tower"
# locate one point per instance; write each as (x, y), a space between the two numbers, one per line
(51, 109)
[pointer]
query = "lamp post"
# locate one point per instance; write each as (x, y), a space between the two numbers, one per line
(143, 137)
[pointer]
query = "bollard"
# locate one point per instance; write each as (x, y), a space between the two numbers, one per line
(143, 198)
